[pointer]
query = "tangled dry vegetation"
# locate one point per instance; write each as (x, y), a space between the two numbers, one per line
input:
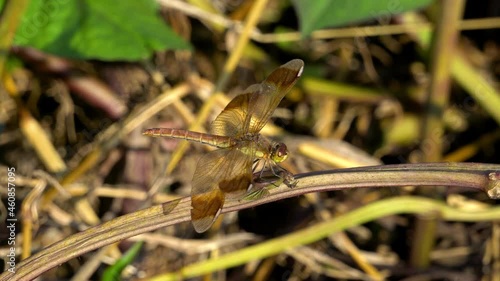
(372, 94)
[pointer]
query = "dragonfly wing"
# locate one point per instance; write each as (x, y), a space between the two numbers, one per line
(231, 120)
(220, 173)
(267, 96)
(250, 111)
(206, 208)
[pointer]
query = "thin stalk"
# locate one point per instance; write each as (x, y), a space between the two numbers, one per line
(442, 53)
(10, 18)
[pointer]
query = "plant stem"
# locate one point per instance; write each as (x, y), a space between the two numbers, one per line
(483, 177)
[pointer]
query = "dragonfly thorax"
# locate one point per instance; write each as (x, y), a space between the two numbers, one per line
(260, 147)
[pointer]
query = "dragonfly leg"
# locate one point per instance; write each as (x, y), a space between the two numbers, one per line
(284, 174)
(262, 182)
(254, 166)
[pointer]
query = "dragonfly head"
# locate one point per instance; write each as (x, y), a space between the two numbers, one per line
(279, 152)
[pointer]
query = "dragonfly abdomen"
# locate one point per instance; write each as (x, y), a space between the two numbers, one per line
(213, 140)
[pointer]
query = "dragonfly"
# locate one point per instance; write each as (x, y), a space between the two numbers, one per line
(228, 172)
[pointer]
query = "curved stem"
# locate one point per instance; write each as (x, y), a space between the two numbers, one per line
(484, 177)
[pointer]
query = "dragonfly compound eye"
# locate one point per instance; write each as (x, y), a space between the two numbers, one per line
(279, 152)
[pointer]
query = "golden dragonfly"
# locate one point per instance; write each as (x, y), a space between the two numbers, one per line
(227, 171)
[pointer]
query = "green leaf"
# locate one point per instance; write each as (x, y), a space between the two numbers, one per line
(317, 14)
(113, 272)
(97, 29)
